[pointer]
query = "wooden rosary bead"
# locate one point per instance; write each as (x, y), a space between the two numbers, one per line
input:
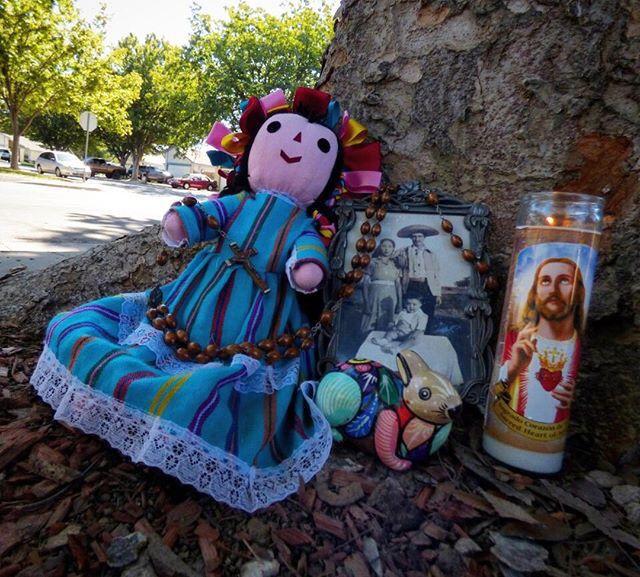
(355, 261)
(348, 278)
(183, 354)
(386, 197)
(358, 275)
(212, 222)
(159, 324)
(432, 198)
(456, 241)
(303, 332)
(345, 292)
(246, 346)
(375, 198)
(273, 357)
(163, 309)
(182, 335)
(482, 267)
(446, 225)
(371, 245)
(170, 338)
(211, 350)
(491, 283)
(285, 340)
(369, 211)
(306, 343)
(202, 358)
(365, 228)
(468, 255)
(376, 229)
(380, 214)
(234, 349)
(361, 244)
(171, 321)
(255, 353)
(224, 353)
(326, 318)
(194, 348)
(267, 344)
(365, 260)
(189, 201)
(152, 314)
(162, 258)
(291, 353)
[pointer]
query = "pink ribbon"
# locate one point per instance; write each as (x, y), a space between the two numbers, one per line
(218, 132)
(362, 181)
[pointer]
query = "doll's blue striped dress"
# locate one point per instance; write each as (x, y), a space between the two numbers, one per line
(244, 432)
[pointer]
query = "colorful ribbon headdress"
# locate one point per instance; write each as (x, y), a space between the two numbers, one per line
(361, 161)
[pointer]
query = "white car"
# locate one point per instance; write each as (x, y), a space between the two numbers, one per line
(62, 164)
(5, 154)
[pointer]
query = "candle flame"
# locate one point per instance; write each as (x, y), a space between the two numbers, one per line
(551, 220)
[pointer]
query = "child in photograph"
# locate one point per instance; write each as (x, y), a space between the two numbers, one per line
(410, 323)
(382, 290)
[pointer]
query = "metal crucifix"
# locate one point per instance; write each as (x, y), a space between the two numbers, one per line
(243, 258)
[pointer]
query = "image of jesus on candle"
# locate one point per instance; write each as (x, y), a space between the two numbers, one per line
(540, 361)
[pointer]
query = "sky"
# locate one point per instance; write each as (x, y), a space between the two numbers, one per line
(168, 19)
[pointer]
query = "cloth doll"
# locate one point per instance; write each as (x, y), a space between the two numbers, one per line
(209, 377)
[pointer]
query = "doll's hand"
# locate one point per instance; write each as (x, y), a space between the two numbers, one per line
(173, 231)
(307, 276)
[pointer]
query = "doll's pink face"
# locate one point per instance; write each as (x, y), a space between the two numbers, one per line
(292, 156)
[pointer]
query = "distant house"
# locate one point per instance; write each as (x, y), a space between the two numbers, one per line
(194, 160)
(29, 149)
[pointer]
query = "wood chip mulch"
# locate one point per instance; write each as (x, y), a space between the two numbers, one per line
(72, 506)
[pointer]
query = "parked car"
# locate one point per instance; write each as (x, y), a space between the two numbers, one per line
(5, 154)
(62, 163)
(151, 174)
(197, 181)
(101, 166)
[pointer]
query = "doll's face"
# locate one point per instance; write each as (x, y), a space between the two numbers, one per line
(292, 156)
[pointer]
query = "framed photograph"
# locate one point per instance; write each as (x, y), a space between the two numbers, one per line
(418, 292)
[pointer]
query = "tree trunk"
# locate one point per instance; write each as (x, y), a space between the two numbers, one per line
(493, 99)
(15, 143)
(136, 158)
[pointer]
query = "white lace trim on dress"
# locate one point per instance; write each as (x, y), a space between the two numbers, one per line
(159, 443)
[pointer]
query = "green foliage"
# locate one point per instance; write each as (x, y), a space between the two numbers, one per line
(58, 131)
(51, 61)
(161, 113)
(253, 53)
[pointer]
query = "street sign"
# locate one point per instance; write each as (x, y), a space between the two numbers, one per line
(88, 121)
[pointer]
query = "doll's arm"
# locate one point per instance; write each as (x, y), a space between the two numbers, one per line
(308, 265)
(187, 225)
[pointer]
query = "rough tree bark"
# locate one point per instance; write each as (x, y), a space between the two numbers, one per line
(491, 99)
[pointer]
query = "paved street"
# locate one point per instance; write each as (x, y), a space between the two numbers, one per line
(46, 219)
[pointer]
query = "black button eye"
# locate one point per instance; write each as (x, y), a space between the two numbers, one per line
(424, 394)
(273, 126)
(323, 145)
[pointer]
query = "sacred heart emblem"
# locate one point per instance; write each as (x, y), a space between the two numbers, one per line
(549, 379)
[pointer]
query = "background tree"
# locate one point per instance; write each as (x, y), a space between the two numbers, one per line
(252, 52)
(58, 131)
(163, 111)
(52, 61)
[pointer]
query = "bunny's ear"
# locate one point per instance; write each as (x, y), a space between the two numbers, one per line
(410, 364)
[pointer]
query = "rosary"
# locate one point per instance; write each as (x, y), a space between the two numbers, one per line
(289, 345)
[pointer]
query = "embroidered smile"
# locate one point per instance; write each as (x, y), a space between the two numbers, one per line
(290, 159)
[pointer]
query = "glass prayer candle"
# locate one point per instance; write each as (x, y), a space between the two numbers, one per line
(543, 322)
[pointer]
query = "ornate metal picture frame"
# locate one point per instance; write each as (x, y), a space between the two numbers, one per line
(459, 324)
